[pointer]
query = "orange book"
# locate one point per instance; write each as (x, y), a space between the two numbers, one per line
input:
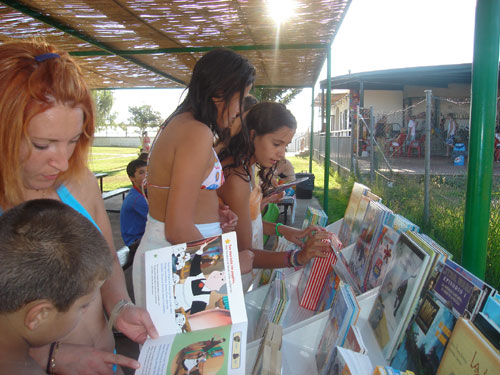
(469, 352)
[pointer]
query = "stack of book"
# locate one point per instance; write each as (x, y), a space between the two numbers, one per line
(274, 307)
(315, 216)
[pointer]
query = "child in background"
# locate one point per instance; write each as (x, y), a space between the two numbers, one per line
(53, 262)
(134, 210)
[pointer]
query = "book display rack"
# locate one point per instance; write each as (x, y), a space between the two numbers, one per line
(406, 305)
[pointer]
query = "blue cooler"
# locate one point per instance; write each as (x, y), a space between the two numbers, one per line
(459, 154)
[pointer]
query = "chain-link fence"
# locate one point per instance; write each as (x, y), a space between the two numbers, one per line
(396, 168)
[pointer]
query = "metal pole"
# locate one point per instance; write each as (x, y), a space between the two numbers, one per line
(328, 120)
(372, 148)
(482, 131)
(358, 114)
(311, 141)
(428, 97)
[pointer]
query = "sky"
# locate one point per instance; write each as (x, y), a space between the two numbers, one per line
(374, 35)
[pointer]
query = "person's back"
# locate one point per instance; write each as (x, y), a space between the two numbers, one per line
(53, 262)
(134, 210)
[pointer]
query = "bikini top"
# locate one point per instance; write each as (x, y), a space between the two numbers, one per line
(66, 197)
(213, 181)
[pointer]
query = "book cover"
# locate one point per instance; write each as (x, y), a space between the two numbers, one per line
(381, 258)
(338, 323)
(315, 216)
(488, 328)
(468, 352)
(371, 226)
(426, 338)
(398, 294)
(354, 340)
(195, 298)
(358, 190)
(347, 362)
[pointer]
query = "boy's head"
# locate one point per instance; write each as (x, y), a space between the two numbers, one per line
(52, 264)
(136, 171)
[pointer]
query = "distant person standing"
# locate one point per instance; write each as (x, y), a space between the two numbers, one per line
(134, 211)
(451, 129)
(146, 142)
(412, 126)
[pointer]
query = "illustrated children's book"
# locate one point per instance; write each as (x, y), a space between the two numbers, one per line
(195, 298)
(347, 362)
(375, 217)
(381, 258)
(398, 294)
(469, 352)
(315, 216)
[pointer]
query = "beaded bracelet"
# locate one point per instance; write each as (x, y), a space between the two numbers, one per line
(288, 258)
(276, 229)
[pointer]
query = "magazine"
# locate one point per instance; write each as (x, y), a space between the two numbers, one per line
(195, 298)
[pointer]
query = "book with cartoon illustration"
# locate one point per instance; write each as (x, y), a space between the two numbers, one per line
(195, 298)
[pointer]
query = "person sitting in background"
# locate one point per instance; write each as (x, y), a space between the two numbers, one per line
(134, 210)
(53, 262)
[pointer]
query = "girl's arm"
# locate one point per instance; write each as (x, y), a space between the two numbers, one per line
(193, 158)
(235, 192)
(317, 245)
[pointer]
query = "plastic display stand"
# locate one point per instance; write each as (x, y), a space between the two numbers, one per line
(302, 329)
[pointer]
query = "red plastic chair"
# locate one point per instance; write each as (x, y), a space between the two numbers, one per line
(416, 145)
(397, 145)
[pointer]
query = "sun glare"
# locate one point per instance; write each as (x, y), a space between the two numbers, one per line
(281, 10)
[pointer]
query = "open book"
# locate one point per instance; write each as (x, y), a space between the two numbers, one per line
(195, 298)
(283, 187)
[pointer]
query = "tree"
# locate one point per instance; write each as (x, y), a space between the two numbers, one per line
(144, 117)
(103, 100)
(284, 96)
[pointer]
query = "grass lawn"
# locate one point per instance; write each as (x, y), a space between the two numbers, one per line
(338, 190)
(113, 161)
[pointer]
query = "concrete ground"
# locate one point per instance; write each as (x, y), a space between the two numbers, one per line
(125, 346)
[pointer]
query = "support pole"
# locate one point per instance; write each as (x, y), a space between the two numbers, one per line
(482, 131)
(328, 120)
(428, 98)
(311, 141)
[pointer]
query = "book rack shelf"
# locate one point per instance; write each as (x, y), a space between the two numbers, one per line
(302, 329)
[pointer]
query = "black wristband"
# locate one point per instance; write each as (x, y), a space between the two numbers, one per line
(51, 352)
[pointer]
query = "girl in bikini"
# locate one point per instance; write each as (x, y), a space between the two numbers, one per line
(183, 168)
(269, 128)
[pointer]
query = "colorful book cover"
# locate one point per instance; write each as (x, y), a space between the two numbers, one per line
(195, 298)
(358, 190)
(381, 258)
(369, 234)
(338, 323)
(426, 338)
(315, 216)
(347, 362)
(469, 352)
(398, 294)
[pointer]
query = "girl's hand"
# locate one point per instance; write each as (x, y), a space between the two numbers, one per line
(318, 245)
(228, 219)
(297, 235)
